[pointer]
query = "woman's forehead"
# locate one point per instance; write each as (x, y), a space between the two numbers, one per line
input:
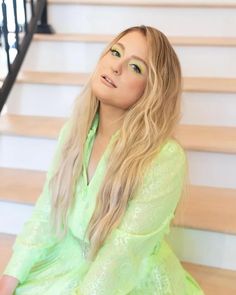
(134, 43)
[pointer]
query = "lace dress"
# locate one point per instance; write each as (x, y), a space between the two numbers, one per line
(135, 258)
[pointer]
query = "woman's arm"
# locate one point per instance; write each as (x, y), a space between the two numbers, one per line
(8, 285)
(36, 236)
(119, 267)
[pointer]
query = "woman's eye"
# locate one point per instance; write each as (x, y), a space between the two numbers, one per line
(136, 68)
(115, 52)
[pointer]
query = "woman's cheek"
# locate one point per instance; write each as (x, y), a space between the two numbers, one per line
(138, 85)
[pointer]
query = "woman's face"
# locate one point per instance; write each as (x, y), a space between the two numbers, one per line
(121, 74)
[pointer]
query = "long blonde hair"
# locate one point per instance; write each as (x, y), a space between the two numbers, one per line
(147, 125)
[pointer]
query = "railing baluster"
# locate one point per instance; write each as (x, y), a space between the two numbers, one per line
(32, 7)
(43, 26)
(38, 16)
(5, 34)
(26, 20)
(16, 25)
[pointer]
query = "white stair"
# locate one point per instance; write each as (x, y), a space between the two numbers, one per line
(197, 60)
(198, 19)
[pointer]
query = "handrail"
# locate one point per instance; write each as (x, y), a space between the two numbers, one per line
(37, 23)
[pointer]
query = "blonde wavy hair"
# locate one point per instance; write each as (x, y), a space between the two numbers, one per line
(146, 126)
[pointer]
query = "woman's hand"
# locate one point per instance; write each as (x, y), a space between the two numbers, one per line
(8, 285)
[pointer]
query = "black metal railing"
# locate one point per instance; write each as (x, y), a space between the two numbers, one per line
(18, 22)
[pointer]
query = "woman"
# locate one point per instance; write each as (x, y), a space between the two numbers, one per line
(114, 184)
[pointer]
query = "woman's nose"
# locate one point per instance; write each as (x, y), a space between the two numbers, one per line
(117, 68)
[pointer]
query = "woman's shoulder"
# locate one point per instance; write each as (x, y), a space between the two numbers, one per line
(166, 170)
(170, 158)
(171, 150)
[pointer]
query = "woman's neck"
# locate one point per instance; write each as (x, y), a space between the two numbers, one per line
(110, 120)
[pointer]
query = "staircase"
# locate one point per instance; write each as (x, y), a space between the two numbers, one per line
(203, 234)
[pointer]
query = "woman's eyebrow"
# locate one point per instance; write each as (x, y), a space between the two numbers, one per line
(134, 56)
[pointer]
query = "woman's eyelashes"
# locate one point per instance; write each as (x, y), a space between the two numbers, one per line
(115, 52)
(135, 67)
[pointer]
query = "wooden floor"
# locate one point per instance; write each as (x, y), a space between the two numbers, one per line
(192, 137)
(214, 281)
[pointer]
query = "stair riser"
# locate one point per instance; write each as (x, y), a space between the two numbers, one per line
(220, 253)
(82, 57)
(219, 248)
(184, 21)
(42, 100)
(210, 169)
(218, 109)
(197, 108)
(26, 152)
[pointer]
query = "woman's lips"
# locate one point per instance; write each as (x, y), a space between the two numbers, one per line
(108, 81)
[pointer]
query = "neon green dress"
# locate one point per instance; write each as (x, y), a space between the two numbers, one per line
(135, 258)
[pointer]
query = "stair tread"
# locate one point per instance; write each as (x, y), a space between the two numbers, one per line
(174, 40)
(58, 78)
(36, 126)
(147, 3)
(200, 209)
(212, 280)
(191, 84)
(21, 185)
(207, 138)
(192, 137)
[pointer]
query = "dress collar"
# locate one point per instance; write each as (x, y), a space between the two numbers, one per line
(94, 127)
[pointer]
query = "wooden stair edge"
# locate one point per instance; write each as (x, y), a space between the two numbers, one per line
(206, 138)
(213, 280)
(209, 138)
(200, 208)
(149, 3)
(207, 267)
(22, 186)
(36, 126)
(193, 206)
(190, 84)
(101, 38)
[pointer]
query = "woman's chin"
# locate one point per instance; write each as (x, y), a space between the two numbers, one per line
(101, 95)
